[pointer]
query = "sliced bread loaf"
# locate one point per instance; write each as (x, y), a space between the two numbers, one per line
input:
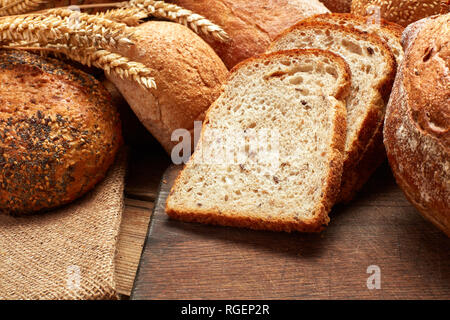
(390, 32)
(372, 65)
(288, 180)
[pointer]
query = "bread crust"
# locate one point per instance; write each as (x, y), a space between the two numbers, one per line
(417, 125)
(367, 137)
(338, 5)
(399, 11)
(59, 133)
(330, 188)
(188, 76)
(251, 25)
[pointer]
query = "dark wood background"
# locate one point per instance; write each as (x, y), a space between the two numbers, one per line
(193, 261)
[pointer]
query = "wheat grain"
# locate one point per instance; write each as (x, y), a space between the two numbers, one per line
(107, 61)
(51, 28)
(104, 29)
(12, 7)
(130, 16)
(196, 22)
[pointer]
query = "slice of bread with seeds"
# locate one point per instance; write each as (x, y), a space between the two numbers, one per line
(373, 68)
(270, 155)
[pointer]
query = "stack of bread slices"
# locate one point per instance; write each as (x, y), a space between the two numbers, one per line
(294, 130)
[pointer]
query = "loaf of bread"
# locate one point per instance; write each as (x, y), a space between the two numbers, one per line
(59, 133)
(287, 178)
(417, 126)
(399, 11)
(338, 5)
(251, 25)
(373, 69)
(188, 75)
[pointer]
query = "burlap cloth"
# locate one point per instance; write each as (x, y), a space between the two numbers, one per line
(67, 253)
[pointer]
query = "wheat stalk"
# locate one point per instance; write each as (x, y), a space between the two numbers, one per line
(106, 60)
(11, 7)
(196, 22)
(130, 16)
(81, 31)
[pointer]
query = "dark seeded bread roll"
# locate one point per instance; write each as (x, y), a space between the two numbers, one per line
(59, 133)
(417, 125)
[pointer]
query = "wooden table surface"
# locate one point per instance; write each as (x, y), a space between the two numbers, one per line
(145, 169)
(377, 234)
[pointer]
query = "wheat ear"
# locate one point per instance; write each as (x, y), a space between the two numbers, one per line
(64, 30)
(130, 16)
(107, 61)
(196, 22)
(12, 7)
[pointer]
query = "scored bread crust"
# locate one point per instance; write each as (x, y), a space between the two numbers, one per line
(368, 140)
(59, 133)
(330, 188)
(251, 25)
(417, 125)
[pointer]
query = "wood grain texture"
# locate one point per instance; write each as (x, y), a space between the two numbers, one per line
(135, 220)
(145, 169)
(192, 261)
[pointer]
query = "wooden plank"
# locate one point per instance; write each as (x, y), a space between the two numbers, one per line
(135, 220)
(193, 261)
(145, 169)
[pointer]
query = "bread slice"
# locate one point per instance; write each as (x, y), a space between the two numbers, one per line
(373, 69)
(287, 182)
(390, 32)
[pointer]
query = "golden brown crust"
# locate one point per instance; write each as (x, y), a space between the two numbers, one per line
(338, 5)
(251, 25)
(416, 133)
(59, 132)
(374, 118)
(188, 76)
(398, 11)
(331, 186)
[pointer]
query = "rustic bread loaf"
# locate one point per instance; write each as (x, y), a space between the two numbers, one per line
(188, 77)
(338, 5)
(296, 100)
(251, 25)
(417, 126)
(398, 11)
(373, 69)
(390, 32)
(59, 133)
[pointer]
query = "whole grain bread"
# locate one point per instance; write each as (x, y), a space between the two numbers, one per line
(287, 182)
(373, 69)
(251, 25)
(188, 76)
(417, 126)
(390, 32)
(399, 11)
(59, 133)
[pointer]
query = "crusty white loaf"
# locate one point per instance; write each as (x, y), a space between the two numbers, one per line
(188, 76)
(270, 154)
(251, 25)
(373, 69)
(417, 126)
